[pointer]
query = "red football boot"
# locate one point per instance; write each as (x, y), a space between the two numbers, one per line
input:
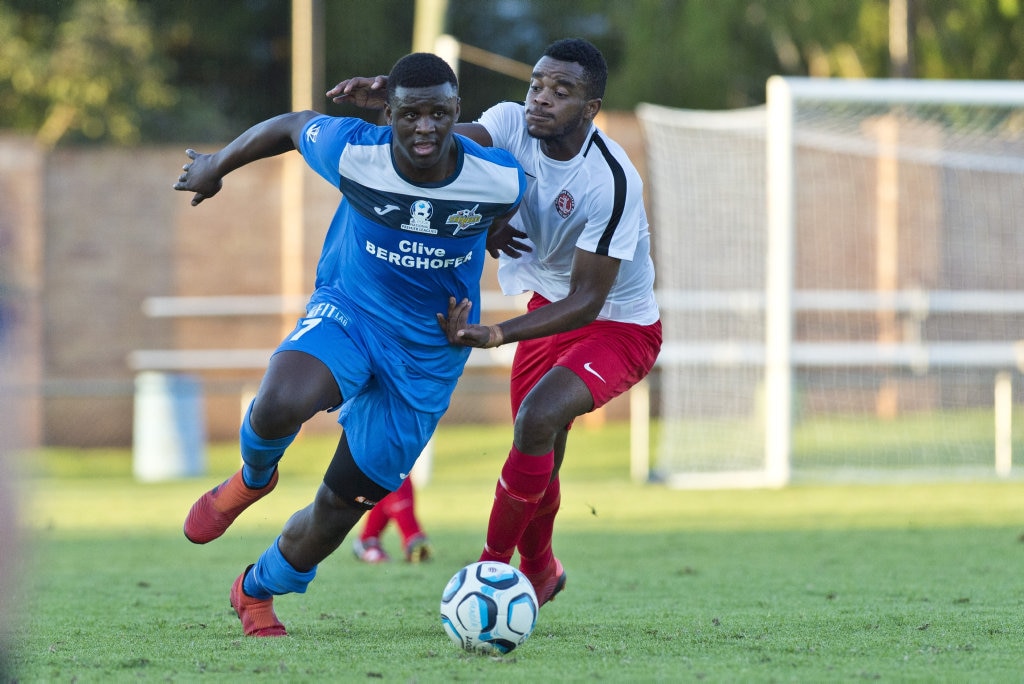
(215, 510)
(257, 615)
(549, 583)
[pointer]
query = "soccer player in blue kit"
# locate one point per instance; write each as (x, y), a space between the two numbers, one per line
(410, 232)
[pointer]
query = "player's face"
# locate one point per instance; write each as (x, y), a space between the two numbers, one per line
(422, 121)
(556, 101)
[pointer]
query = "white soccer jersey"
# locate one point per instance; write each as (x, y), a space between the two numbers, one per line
(593, 201)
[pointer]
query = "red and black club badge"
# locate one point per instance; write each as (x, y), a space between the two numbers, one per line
(564, 203)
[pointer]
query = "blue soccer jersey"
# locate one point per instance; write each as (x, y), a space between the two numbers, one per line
(396, 250)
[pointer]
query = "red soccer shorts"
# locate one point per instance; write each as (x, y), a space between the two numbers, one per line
(610, 357)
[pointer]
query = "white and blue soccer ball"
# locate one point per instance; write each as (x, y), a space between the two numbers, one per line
(489, 607)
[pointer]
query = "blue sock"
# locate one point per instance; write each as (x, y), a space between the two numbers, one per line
(273, 575)
(259, 456)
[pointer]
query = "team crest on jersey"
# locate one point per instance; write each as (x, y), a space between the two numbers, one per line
(419, 217)
(464, 218)
(565, 203)
(312, 133)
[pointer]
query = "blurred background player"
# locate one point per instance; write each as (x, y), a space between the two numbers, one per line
(410, 232)
(592, 328)
(400, 506)
(11, 556)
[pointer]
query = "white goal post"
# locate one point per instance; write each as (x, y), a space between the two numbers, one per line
(847, 257)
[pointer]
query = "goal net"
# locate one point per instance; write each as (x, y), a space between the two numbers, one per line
(841, 283)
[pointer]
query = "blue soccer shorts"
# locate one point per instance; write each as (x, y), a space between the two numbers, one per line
(385, 433)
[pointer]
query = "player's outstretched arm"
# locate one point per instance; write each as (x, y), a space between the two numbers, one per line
(204, 173)
(590, 282)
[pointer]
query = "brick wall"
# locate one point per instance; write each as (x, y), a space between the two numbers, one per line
(86, 234)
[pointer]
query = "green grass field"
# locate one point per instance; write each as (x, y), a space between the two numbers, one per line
(909, 583)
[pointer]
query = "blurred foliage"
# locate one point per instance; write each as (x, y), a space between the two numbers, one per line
(127, 71)
(88, 70)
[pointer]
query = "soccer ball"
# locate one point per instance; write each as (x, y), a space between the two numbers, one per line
(488, 607)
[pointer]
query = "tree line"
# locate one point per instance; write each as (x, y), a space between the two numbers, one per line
(132, 71)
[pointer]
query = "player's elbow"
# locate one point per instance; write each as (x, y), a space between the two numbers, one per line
(588, 311)
(584, 306)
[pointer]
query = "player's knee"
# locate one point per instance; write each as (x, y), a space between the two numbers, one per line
(335, 512)
(276, 413)
(537, 422)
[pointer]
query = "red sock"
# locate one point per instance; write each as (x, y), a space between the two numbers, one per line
(403, 511)
(535, 545)
(378, 517)
(517, 495)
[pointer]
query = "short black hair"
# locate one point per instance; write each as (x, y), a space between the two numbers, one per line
(584, 53)
(420, 70)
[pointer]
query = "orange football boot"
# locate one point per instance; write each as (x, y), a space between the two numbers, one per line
(257, 615)
(215, 510)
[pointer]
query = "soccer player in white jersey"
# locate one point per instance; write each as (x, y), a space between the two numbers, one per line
(410, 232)
(592, 329)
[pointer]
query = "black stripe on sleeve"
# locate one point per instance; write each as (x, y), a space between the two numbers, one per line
(619, 200)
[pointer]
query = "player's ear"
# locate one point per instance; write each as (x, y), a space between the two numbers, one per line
(387, 115)
(458, 108)
(591, 108)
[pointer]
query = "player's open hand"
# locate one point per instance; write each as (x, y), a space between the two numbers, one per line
(199, 176)
(462, 334)
(362, 91)
(455, 321)
(502, 237)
